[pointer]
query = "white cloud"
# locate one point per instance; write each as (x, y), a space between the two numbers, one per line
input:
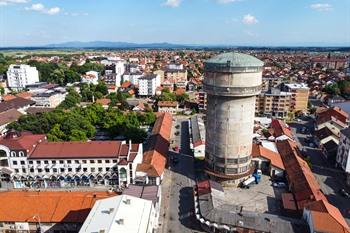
(249, 19)
(172, 3)
(321, 6)
(227, 1)
(41, 8)
(7, 2)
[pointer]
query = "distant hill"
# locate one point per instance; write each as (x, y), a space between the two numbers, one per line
(109, 44)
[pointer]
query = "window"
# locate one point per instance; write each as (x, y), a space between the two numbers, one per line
(77, 170)
(22, 162)
(92, 161)
(107, 169)
(76, 161)
(54, 170)
(46, 162)
(115, 161)
(99, 161)
(40, 170)
(24, 170)
(61, 169)
(69, 161)
(14, 162)
(16, 170)
(84, 169)
(61, 162)
(53, 161)
(31, 170)
(69, 169)
(107, 161)
(30, 162)
(47, 170)
(92, 169)
(84, 161)
(100, 169)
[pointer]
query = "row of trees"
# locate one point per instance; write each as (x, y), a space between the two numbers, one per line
(61, 74)
(80, 123)
(341, 87)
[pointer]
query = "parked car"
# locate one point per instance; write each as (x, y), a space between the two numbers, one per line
(177, 126)
(177, 133)
(344, 193)
(279, 185)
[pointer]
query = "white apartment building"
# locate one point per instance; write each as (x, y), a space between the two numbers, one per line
(343, 158)
(132, 77)
(90, 77)
(148, 84)
(114, 70)
(49, 99)
(122, 213)
(18, 76)
(28, 160)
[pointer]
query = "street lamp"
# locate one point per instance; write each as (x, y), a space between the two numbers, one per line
(38, 218)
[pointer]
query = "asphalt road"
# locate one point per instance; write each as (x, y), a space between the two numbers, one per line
(330, 179)
(179, 214)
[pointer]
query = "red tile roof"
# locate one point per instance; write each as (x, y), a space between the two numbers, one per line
(126, 84)
(273, 157)
(92, 149)
(22, 141)
(103, 102)
(173, 104)
(335, 114)
(280, 128)
(155, 157)
(322, 210)
(50, 207)
(301, 180)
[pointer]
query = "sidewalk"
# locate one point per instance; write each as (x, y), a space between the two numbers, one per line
(166, 190)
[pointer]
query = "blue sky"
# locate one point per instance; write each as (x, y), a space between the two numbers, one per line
(208, 22)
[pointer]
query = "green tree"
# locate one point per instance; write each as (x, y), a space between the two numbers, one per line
(77, 135)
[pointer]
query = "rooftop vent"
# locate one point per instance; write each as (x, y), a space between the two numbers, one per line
(120, 221)
(127, 201)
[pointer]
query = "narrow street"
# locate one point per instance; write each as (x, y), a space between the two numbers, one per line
(178, 187)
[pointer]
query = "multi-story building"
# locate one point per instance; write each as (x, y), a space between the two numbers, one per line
(176, 74)
(49, 212)
(49, 99)
(148, 84)
(343, 158)
(201, 98)
(132, 76)
(18, 76)
(90, 77)
(122, 213)
(168, 106)
(300, 96)
(28, 160)
(113, 72)
(274, 103)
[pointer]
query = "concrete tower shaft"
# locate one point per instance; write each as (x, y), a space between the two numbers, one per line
(232, 80)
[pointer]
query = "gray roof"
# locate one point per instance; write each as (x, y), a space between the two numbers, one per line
(346, 132)
(235, 60)
(230, 215)
(16, 103)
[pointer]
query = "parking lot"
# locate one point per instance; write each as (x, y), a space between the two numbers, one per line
(261, 198)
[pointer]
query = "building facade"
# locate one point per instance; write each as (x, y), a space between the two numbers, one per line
(274, 103)
(343, 158)
(148, 84)
(300, 96)
(230, 114)
(49, 99)
(28, 160)
(18, 76)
